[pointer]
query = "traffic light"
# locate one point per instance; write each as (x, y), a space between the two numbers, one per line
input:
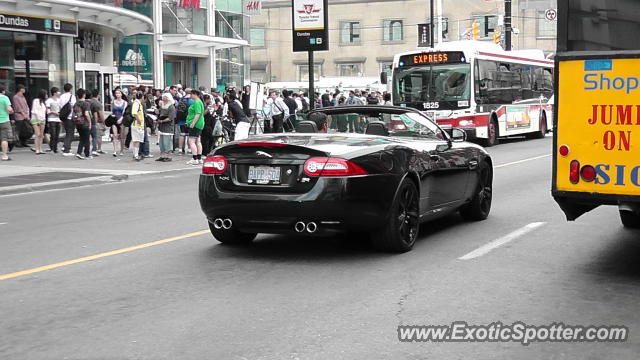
(475, 31)
(496, 37)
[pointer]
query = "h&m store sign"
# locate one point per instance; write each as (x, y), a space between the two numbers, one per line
(37, 24)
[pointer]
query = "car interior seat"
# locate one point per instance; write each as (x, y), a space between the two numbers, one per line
(306, 126)
(376, 128)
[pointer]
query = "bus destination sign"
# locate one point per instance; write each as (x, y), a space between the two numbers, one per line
(432, 58)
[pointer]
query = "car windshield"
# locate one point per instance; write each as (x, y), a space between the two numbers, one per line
(432, 83)
(409, 124)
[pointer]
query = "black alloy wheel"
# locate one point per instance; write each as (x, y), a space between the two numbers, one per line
(401, 230)
(480, 206)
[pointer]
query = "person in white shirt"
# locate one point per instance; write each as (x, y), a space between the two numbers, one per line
(69, 126)
(53, 117)
(279, 112)
(38, 119)
(296, 97)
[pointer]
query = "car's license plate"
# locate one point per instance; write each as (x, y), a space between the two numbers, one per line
(264, 175)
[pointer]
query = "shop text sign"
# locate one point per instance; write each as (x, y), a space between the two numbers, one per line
(310, 25)
(599, 121)
(40, 25)
(252, 7)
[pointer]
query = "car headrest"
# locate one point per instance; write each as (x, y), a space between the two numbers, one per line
(376, 128)
(306, 126)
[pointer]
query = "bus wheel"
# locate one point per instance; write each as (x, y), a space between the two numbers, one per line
(630, 219)
(542, 132)
(492, 133)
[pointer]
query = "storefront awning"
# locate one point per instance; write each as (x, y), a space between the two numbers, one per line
(120, 20)
(196, 45)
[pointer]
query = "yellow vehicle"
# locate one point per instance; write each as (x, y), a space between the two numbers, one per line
(596, 158)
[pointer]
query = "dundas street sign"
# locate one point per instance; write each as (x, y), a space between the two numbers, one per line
(310, 20)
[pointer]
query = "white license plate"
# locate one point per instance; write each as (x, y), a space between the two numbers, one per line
(264, 174)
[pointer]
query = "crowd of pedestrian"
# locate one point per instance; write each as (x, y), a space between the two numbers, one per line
(280, 109)
(180, 120)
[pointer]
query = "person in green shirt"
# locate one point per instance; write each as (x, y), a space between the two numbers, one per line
(195, 124)
(6, 133)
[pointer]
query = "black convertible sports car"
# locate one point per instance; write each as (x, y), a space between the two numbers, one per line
(376, 169)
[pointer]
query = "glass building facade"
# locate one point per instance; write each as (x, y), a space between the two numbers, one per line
(36, 61)
(232, 64)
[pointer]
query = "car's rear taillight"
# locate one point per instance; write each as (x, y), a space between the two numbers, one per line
(326, 166)
(574, 171)
(216, 164)
(588, 173)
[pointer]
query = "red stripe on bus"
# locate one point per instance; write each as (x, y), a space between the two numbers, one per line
(546, 62)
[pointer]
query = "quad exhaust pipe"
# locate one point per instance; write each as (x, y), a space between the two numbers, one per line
(300, 226)
(220, 223)
(310, 227)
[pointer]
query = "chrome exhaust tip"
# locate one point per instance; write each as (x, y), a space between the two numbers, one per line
(227, 224)
(218, 223)
(312, 227)
(300, 226)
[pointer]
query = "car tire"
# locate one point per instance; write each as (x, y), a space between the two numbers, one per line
(630, 219)
(492, 134)
(401, 230)
(231, 236)
(480, 205)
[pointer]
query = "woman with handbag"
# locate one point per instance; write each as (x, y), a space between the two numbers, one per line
(38, 118)
(118, 130)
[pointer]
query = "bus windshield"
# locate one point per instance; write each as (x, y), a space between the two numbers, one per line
(435, 83)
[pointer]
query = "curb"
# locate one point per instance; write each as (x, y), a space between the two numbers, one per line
(62, 184)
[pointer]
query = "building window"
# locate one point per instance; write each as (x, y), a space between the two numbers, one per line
(445, 28)
(303, 72)
(546, 28)
(350, 69)
(386, 67)
(350, 32)
(259, 75)
(257, 37)
(392, 30)
(229, 25)
(183, 20)
(488, 24)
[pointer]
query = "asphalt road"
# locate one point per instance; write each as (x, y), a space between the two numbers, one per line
(299, 298)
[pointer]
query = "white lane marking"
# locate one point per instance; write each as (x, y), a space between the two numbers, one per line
(522, 161)
(484, 249)
(3, 223)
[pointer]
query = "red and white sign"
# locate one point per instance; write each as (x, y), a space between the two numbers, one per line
(252, 7)
(308, 15)
(189, 3)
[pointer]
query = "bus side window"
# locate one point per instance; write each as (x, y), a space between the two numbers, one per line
(478, 85)
(547, 89)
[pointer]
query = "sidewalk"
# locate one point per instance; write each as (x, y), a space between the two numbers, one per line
(28, 172)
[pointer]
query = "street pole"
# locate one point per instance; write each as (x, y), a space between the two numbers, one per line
(312, 92)
(439, 7)
(431, 24)
(507, 25)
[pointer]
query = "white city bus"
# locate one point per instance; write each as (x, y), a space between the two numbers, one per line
(478, 87)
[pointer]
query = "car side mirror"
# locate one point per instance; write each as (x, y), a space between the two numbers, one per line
(458, 135)
(443, 147)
